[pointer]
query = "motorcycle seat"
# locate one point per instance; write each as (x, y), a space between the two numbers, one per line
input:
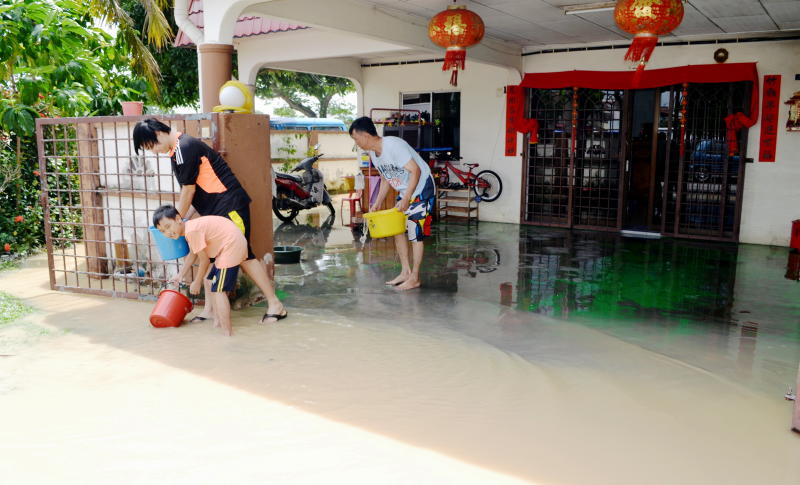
(287, 176)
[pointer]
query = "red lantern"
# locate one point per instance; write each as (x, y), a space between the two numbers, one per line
(455, 29)
(646, 19)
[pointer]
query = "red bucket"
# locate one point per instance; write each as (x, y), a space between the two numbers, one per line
(171, 308)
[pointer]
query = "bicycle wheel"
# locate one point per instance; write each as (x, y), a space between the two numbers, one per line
(487, 186)
(487, 260)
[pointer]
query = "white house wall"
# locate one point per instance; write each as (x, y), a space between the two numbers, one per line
(482, 118)
(771, 198)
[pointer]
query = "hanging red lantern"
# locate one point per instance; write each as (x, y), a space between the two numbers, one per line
(455, 29)
(646, 20)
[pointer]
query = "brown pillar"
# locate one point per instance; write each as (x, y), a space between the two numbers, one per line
(244, 144)
(215, 70)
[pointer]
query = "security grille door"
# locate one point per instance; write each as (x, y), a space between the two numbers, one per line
(596, 178)
(708, 199)
(695, 186)
(548, 188)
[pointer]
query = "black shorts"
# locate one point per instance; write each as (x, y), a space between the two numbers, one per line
(241, 217)
(222, 279)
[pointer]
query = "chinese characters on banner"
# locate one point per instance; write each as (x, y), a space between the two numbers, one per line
(514, 109)
(516, 122)
(769, 118)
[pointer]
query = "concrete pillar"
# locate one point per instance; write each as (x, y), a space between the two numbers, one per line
(215, 70)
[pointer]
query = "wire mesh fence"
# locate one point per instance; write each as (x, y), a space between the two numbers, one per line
(98, 197)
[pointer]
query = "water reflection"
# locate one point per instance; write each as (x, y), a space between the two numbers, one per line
(793, 266)
(607, 277)
(312, 237)
(596, 278)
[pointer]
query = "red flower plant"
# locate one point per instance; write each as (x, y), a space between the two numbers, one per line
(19, 219)
(36, 172)
(7, 247)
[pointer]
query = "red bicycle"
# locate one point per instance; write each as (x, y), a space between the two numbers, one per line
(486, 184)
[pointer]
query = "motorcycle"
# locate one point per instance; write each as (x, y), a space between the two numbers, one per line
(293, 193)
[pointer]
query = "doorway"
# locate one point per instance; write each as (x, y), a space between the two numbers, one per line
(646, 139)
(647, 160)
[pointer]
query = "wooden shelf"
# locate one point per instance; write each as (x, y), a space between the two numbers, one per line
(464, 210)
(456, 204)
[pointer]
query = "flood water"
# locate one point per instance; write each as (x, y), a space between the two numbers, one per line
(730, 309)
(529, 356)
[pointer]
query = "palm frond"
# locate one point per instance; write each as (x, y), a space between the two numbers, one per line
(156, 25)
(158, 30)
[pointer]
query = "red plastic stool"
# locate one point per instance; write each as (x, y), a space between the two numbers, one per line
(353, 198)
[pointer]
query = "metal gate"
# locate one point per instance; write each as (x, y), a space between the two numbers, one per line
(548, 186)
(706, 199)
(573, 172)
(575, 176)
(598, 151)
(98, 198)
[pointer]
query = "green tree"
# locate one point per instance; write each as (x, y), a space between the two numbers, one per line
(285, 111)
(52, 59)
(178, 66)
(53, 62)
(156, 26)
(309, 94)
(342, 111)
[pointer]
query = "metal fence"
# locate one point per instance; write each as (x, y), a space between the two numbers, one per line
(98, 197)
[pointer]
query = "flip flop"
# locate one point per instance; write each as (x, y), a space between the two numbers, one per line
(276, 316)
(198, 318)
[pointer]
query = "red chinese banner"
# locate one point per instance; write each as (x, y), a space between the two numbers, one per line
(515, 106)
(516, 122)
(769, 117)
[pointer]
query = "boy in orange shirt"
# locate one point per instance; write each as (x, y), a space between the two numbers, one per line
(212, 237)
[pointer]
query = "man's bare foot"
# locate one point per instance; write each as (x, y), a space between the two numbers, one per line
(399, 279)
(216, 324)
(409, 284)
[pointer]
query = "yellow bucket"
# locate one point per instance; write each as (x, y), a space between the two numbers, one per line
(390, 222)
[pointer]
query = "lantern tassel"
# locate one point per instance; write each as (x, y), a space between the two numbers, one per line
(641, 49)
(454, 59)
(454, 78)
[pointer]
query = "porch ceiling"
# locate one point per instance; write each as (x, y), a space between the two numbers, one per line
(537, 23)
(517, 26)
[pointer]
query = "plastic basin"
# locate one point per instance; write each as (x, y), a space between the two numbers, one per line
(287, 254)
(390, 222)
(169, 248)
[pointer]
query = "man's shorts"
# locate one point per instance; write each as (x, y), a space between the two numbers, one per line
(222, 279)
(419, 212)
(241, 217)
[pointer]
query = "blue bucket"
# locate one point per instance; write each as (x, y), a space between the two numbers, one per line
(169, 248)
